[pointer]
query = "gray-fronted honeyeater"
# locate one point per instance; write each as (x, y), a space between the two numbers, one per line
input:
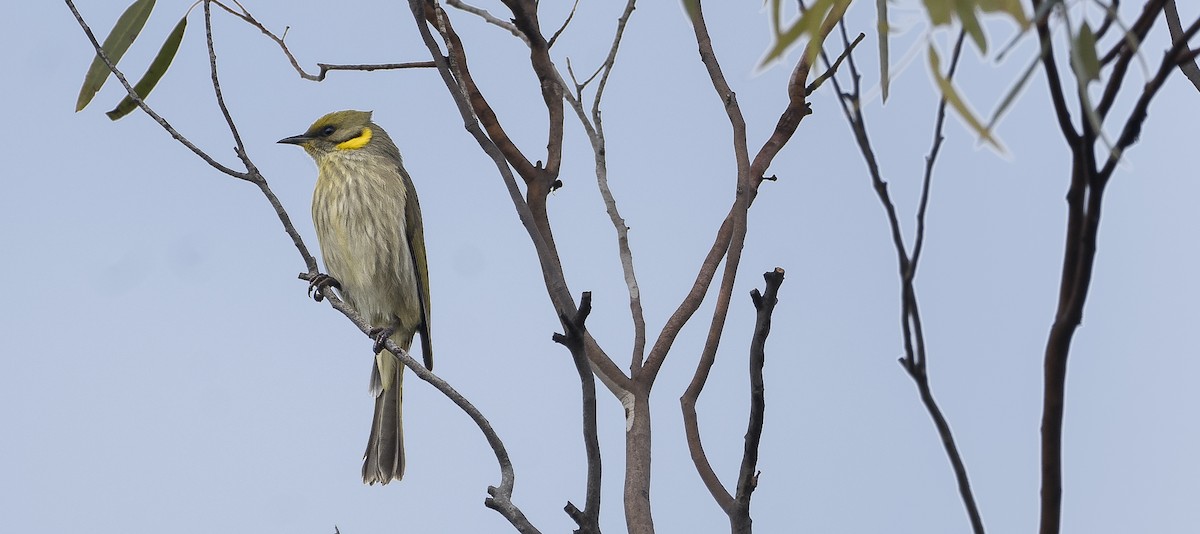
(368, 223)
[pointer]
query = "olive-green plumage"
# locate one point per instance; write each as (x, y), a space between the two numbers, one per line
(368, 223)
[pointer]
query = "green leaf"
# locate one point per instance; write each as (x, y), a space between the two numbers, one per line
(809, 23)
(154, 73)
(1013, 92)
(692, 7)
(939, 11)
(1084, 58)
(122, 35)
(1011, 7)
(955, 100)
(970, 22)
(882, 28)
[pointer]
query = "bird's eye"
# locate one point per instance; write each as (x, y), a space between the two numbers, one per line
(327, 131)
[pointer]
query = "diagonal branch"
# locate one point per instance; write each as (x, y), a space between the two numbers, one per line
(1189, 68)
(488, 18)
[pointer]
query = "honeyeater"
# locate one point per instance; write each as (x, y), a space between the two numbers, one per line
(368, 223)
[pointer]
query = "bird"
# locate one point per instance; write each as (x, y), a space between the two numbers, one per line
(372, 240)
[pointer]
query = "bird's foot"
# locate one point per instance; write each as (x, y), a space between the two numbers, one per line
(381, 335)
(319, 283)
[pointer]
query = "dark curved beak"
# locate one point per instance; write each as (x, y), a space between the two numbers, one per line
(295, 140)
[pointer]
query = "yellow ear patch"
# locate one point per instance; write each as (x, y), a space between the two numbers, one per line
(357, 142)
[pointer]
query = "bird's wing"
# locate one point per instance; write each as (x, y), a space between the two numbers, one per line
(416, 250)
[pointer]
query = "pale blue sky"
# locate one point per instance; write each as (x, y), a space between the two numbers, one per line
(163, 370)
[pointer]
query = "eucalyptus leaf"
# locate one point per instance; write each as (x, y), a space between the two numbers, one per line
(939, 11)
(692, 7)
(970, 22)
(956, 101)
(154, 73)
(809, 23)
(122, 35)
(1086, 61)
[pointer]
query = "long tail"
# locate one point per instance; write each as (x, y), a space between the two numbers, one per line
(384, 459)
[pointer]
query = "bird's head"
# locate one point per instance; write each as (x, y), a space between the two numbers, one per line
(336, 132)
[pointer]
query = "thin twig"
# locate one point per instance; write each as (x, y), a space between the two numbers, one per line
(488, 17)
(245, 15)
(594, 128)
(914, 359)
(566, 22)
(216, 83)
(833, 67)
(1053, 81)
(1189, 68)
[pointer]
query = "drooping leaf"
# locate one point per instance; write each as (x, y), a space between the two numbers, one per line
(1014, 91)
(154, 73)
(883, 29)
(809, 23)
(1010, 7)
(970, 22)
(956, 101)
(122, 35)
(1084, 58)
(939, 11)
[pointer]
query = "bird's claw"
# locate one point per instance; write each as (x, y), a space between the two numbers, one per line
(319, 283)
(380, 335)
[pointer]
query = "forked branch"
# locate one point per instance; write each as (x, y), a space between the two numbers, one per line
(575, 339)
(914, 359)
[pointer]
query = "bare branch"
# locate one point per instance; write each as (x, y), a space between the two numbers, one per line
(216, 84)
(575, 340)
(245, 15)
(1189, 68)
(728, 244)
(1124, 52)
(914, 360)
(563, 28)
(594, 128)
(1054, 82)
(476, 112)
(488, 17)
(764, 303)
(1085, 198)
(832, 68)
